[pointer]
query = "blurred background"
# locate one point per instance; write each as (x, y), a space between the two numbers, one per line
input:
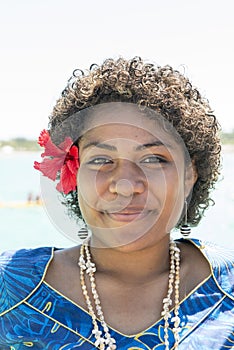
(42, 42)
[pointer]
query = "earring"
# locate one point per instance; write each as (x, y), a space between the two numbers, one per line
(83, 233)
(185, 229)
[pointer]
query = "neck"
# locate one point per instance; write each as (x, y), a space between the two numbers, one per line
(133, 266)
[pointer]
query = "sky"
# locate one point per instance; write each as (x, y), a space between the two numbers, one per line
(42, 42)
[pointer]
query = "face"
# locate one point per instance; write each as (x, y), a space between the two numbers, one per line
(132, 180)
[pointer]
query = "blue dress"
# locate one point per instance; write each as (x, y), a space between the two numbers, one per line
(36, 316)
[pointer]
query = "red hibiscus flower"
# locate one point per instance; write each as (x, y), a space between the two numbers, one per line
(60, 160)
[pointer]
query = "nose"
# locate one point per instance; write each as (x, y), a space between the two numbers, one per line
(127, 180)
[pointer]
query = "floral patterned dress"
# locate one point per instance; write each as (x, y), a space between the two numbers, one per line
(34, 315)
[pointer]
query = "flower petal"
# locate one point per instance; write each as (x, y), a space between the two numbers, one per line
(36, 165)
(73, 163)
(74, 152)
(66, 144)
(53, 151)
(49, 167)
(43, 138)
(67, 180)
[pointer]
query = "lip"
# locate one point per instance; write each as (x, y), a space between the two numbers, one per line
(128, 216)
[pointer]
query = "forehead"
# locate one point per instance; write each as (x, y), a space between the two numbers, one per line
(118, 132)
(116, 121)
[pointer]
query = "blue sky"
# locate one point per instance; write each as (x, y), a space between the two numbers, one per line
(42, 42)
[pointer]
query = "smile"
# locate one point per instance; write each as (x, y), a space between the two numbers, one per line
(127, 216)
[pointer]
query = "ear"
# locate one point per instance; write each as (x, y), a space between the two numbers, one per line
(191, 177)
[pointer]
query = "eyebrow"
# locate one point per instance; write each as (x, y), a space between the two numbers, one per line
(153, 144)
(100, 145)
(138, 148)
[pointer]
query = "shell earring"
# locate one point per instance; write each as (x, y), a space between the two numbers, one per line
(185, 229)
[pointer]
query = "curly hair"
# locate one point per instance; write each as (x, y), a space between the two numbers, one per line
(162, 89)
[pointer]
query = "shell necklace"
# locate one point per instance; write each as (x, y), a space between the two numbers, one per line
(104, 341)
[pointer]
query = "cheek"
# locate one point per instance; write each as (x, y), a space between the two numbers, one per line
(175, 198)
(167, 186)
(165, 183)
(90, 188)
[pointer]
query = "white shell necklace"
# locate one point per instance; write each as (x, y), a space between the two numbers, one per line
(104, 341)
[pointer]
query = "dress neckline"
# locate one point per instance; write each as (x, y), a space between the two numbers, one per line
(58, 294)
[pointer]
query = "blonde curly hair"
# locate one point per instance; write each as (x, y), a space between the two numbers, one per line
(162, 89)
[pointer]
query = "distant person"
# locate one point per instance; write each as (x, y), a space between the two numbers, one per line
(135, 151)
(38, 200)
(29, 198)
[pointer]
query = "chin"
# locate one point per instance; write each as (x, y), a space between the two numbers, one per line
(125, 238)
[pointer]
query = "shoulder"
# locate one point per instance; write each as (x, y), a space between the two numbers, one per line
(221, 261)
(21, 272)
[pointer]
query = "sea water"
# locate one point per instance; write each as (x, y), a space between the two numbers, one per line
(23, 226)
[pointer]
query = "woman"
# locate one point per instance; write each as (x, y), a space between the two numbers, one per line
(148, 158)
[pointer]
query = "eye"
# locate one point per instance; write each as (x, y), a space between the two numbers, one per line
(153, 159)
(100, 161)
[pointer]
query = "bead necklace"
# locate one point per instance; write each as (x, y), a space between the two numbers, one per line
(104, 341)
